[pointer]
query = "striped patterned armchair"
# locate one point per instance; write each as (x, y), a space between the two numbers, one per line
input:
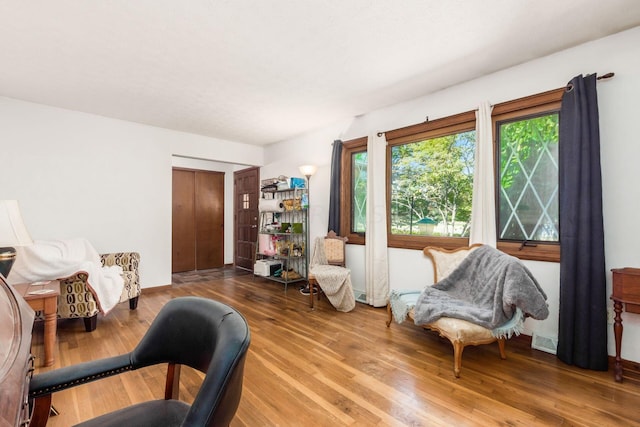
(77, 301)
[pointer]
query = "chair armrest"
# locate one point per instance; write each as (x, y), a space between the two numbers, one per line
(129, 261)
(76, 298)
(82, 373)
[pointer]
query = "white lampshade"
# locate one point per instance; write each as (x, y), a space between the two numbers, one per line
(12, 229)
(308, 170)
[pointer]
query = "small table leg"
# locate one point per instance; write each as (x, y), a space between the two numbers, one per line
(50, 323)
(617, 330)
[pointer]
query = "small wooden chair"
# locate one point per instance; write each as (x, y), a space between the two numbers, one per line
(334, 250)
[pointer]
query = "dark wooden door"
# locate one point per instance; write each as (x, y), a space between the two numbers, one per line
(246, 191)
(183, 228)
(198, 220)
(209, 197)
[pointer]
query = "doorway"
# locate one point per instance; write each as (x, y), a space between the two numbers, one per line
(197, 220)
(246, 192)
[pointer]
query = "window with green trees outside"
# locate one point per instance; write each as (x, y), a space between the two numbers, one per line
(432, 186)
(430, 171)
(359, 188)
(528, 185)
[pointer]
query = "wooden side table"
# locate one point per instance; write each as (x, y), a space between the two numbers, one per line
(43, 296)
(626, 290)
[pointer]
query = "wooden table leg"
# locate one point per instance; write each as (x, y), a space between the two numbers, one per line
(617, 330)
(50, 324)
(43, 296)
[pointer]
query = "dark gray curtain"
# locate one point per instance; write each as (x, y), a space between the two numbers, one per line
(582, 336)
(334, 189)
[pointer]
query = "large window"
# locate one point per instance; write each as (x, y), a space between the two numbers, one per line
(354, 190)
(431, 186)
(526, 147)
(430, 182)
(359, 186)
(528, 178)
(430, 169)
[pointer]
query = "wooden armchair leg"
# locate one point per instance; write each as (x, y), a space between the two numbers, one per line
(389, 314)
(458, 347)
(314, 287)
(172, 386)
(311, 284)
(503, 354)
(41, 411)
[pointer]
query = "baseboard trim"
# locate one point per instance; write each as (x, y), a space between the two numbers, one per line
(155, 289)
(630, 369)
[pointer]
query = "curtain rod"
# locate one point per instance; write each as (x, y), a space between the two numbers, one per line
(605, 76)
(602, 77)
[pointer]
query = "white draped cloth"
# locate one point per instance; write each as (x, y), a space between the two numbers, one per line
(334, 280)
(376, 258)
(483, 208)
(56, 259)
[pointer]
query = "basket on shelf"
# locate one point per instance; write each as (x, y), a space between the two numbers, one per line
(292, 204)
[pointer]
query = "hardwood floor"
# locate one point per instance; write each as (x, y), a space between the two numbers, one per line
(325, 368)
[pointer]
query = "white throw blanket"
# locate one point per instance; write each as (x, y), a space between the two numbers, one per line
(335, 281)
(56, 259)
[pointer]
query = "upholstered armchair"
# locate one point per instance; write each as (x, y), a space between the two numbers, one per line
(459, 332)
(77, 301)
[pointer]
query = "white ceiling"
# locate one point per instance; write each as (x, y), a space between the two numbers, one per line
(261, 71)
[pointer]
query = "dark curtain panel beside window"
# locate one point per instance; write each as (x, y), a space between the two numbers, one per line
(334, 189)
(582, 336)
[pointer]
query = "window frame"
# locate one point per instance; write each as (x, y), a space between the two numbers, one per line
(449, 125)
(348, 149)
(545, 102)
(549, 101)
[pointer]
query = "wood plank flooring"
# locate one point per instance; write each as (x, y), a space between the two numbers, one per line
(325, 368)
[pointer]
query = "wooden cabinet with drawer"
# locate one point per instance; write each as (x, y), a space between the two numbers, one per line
(16, 363)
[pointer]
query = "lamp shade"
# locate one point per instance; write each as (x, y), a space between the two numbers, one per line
(308, 170)
(12, 229)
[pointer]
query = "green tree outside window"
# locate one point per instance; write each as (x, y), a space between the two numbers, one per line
(528, 190)
(432, 185)
(359, 191)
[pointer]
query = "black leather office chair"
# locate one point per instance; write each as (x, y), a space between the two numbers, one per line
(204, 334)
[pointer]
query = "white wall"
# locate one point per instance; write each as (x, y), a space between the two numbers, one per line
(81, 175)
(618, 102)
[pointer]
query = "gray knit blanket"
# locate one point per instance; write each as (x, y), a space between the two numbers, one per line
(484, 289)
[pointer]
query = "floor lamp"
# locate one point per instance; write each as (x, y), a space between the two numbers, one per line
(12, 233)
(307, 171)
